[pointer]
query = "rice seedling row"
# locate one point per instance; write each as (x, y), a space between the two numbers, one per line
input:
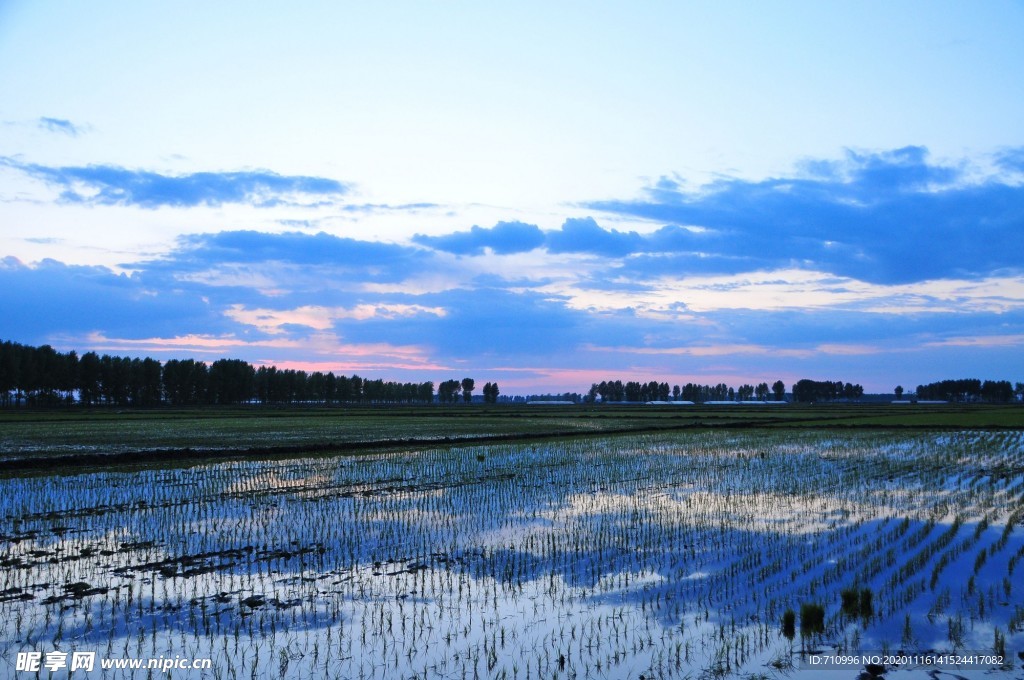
(655, 556)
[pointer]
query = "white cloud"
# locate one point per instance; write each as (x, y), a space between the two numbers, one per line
(791, 289)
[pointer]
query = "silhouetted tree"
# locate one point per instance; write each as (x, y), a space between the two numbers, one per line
(467, 389)
(330, 388)
(426, 392)
(89, 378)
(231, 381)
(185, 381)
(147, 382)
(632, 391)
(761, 392)
(448, 391)
(779, 389)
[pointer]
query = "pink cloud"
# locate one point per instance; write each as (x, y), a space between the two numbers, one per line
(705, 350)
(190, 343)
(351, 357)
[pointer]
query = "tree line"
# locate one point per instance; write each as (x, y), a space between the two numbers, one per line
(42, 376)
(811, 391)
(971, 389)
(636, 391)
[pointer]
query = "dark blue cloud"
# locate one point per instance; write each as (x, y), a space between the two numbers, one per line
(897, 171)
(295, 258)
(59, 125)
(114, 185)
(585, 236)
(803, 328)
(295, 248)
(577, 235)
(55, 298)
(1011, 160)
(505, 238)
(886, 218)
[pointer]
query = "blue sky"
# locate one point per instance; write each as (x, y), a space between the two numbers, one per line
(540, 194)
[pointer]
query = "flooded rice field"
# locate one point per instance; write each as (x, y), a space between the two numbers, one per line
(654, 556)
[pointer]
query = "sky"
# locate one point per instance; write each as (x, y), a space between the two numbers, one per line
(544, 195)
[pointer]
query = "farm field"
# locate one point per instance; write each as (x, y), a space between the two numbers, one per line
(648, 554)
(104, 435)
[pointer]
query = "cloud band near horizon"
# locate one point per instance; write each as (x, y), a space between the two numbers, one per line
(905, 269)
